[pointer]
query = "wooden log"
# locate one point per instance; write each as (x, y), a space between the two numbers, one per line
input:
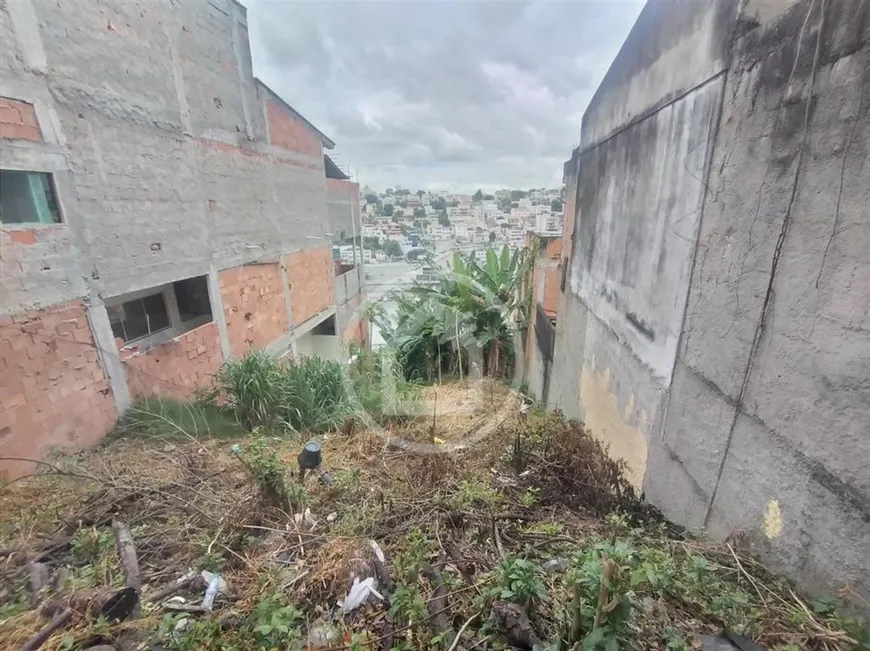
(129, 561)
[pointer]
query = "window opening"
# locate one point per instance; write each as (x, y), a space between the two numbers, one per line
(27, 198)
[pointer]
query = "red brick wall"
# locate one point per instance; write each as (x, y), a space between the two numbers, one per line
(53, 392)
(551, 277)
(312, 284)
(357, 329)
(18, 120)
(289, 132)
(253, 297)
(176, 368)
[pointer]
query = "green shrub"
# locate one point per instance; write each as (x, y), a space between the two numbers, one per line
(254, 387)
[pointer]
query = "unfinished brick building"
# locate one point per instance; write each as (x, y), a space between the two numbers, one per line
(162, 211)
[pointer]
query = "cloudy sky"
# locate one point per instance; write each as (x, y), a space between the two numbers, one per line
(441, 95)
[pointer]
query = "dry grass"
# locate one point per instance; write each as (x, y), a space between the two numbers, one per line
(192, 505)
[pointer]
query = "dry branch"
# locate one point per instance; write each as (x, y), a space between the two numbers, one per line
(438, 602)
(39, 639)
(129, 561)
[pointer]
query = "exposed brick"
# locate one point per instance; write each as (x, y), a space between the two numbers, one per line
(52, 393)
(289, 132)
(174, 368)
(254, 306)
(312, 282)
(25, 237)
(18, 121)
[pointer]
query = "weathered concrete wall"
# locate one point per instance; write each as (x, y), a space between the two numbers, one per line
(719, 291)
(343, 208)
(645, 144)
(767, 427)
(169, 161)
(163, 127)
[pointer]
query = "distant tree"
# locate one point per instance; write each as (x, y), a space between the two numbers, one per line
(444, 220)
(453, 203)
(504, 204)
(398, 213)
(477, 196)
(403, 192)
(392, 248)
(372, 243)
(402, 203)
(415, 254)
(488, 197)
(492, 236)
(556, 205)
(515, 204)
(394, 219)
(389, 192)
(387, 210)
(371, 198)
(420, 193)
(517, 194)
(419, 212)
(438, 203)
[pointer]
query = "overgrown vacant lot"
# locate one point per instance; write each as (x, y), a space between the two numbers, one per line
(497, 529)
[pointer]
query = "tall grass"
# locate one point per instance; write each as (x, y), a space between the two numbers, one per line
(379, 384)
(255, 388)
(313, 394)
(166, 418)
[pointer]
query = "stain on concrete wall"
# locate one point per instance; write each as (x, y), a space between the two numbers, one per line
(343, 207)
(611, 425)
(760, 426)
(638, 212)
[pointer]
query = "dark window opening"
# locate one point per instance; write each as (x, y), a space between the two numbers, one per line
(27, 198)
(192, 297)
(139, 317)
(326, 327)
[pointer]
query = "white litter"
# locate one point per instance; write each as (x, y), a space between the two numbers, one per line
(359, 593)
(216, 585)
(305, 520)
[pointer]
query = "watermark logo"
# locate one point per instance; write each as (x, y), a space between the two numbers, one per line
(438, 330)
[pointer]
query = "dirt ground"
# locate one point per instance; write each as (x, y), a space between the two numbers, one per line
(476, 526)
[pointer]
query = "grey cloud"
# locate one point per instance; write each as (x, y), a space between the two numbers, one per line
(441, 94)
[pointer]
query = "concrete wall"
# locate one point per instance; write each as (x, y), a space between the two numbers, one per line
(169, 161)
(343, 208)
(538, 342)
(719, 297)
(154, 110)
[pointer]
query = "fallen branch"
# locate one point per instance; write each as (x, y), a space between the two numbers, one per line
(129, 561)
(40, 638)
(186, 608)
(438, 602)
(172, 587)
(462, 630)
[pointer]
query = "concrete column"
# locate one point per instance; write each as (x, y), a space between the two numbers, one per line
(104, 340)
(217, 311)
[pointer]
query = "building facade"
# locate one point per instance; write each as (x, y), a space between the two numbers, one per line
(714, 318)
(162, 211)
